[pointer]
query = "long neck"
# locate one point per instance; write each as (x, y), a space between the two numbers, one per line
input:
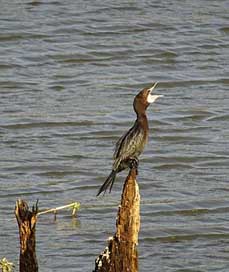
(142, 120)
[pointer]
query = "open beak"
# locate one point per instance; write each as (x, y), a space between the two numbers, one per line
(151, 98)
(152, 88)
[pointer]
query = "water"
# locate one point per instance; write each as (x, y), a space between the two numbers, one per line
(69, 72)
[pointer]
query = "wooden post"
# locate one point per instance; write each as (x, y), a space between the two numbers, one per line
(27, 226)
(121, 253)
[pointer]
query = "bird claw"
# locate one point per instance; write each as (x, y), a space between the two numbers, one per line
(133, 164)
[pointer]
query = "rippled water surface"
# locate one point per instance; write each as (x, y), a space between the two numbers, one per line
(69, 71)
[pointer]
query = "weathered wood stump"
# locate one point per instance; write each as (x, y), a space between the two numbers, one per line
(121, 253)
(27, 226)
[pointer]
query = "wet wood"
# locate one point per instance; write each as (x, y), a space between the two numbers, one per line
(121, 253)
(27, 227)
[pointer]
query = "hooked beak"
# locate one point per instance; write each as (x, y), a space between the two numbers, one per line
(151, 98)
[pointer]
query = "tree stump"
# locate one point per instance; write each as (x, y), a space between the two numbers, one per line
(121, 253)
(27, 226)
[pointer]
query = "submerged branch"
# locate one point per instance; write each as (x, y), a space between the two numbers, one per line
(74, 206)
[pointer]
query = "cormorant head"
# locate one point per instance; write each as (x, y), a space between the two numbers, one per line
(144, 98)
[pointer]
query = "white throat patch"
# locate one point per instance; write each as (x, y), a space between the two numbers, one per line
(151, 98)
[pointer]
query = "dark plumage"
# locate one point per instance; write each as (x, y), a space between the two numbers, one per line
(131, 144)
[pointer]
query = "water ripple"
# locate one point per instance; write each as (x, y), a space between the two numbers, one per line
(69, 72)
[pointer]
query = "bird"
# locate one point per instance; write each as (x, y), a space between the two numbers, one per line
(129, 147)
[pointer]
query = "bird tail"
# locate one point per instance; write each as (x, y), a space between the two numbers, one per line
(108, 182)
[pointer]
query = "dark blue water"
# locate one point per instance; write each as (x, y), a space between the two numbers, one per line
(69, 71)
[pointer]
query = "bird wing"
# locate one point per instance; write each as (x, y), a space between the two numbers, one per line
(129, 145)
(118, 146)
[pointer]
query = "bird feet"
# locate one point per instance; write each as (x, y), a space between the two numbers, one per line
(133, 164)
